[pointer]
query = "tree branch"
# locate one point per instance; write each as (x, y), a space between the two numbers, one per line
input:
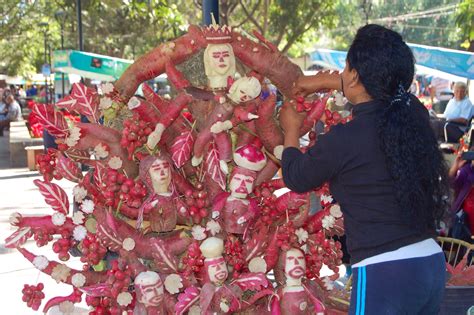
(292, 39)
(252, 12)
(250, 16)
(265, 17)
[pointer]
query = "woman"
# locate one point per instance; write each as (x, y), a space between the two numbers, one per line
(386, 171)
(461, 175)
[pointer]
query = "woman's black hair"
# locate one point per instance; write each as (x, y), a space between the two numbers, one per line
(386, 66)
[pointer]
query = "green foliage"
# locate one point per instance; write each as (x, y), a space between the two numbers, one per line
(124, 29)
(130, 28)
(434, 28)
(465, 22)
(288, 24)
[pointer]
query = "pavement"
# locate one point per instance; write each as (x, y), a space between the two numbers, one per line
(19, 194)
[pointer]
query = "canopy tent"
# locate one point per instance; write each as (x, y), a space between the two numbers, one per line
(333, 58)
(89, 65)
(455, 62)
(430, 72)
(15, 80)
(38, 79)
(436, 61)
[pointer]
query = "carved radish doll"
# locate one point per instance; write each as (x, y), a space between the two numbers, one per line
(235, 209)
(151, 298)
(293, 296)
(216, 296)
(161, 204)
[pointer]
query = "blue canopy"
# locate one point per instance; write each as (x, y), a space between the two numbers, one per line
(456, 62)
(335, 58)
(460, 63)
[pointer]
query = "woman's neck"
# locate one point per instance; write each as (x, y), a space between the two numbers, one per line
(359, 95)
(362, 98)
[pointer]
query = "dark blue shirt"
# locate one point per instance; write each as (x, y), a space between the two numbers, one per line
(349, 157)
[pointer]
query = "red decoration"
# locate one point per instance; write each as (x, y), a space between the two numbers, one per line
(182, 148)
(52, 120)
(33, 295)
(213, 166)
(201, 237)
(54, 196)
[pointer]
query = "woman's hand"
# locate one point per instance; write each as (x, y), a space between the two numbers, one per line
(291, 122)
(457, 164)
(290, 119)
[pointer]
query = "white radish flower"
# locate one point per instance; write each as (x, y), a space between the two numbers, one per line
(79, 233)
(88, 206)
(302, 235)
(100, 151)
(173, 283)
(213, 227)
(78, 280)
(79, 193)
(58, 219)
(128, 244)
(60, 273)
(335, 211)
(328, 284)
(107, 88)
(78, 218)
(115, 162)
(198, 232)
(326, 199)
(258, 264)
(328, 222)
(105, 103)
(74, 136)
(40, 262)
(66, 307)
(124, 298)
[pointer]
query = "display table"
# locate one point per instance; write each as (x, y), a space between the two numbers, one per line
(20, 138)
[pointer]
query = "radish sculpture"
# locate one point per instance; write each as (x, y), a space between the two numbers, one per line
(177, 213)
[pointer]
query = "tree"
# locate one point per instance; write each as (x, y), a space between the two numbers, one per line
(283, 22)
(122, 29)
(465, 22)
(429, 22)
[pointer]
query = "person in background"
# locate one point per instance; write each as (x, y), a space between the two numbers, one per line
(3, 107)
(461, 175)
(440, 93)
(42, 93)
(455, 119)
(21, 92)
(385, 169)
(33, 91)
(14, 91)
(459, 108)
(415, 87)
(14, 113)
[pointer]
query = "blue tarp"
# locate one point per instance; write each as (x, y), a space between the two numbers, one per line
(460, 63)
(335, 58)
(456, 62)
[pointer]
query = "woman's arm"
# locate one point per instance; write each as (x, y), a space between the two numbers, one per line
(458, 163)
(321, 81)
